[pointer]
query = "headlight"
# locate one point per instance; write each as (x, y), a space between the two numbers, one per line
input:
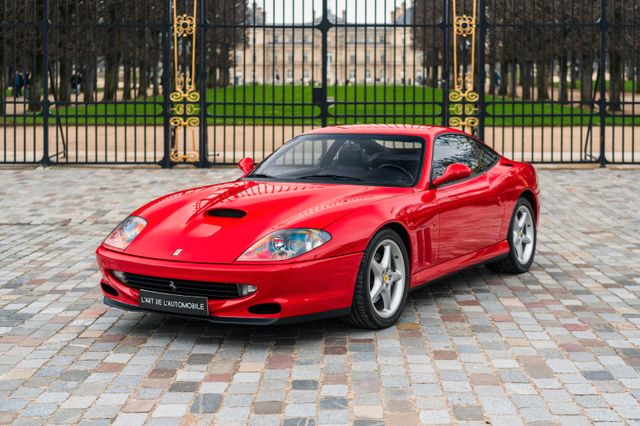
(285, 244)
(126, 232)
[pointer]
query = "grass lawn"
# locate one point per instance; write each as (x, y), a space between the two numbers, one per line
(629, 85)
(352, 104)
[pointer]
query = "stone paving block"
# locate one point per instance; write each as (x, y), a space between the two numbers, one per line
(206, 403)
(129, 419)
(170, 410)
(233, 414)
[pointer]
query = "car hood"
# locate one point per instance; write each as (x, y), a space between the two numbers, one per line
(195, 225)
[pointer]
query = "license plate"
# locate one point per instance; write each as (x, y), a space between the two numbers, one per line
(174, 303)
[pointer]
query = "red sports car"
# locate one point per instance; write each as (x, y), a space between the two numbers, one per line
(340, 221)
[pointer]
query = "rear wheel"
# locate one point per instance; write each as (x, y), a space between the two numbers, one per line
(522, 241)
(382, 283)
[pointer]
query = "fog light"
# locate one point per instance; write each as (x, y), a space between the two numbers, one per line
(120, 276)
(246, 289)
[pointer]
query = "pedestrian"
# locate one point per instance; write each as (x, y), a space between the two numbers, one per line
(27, 83)
(18, 84)
(76, 82)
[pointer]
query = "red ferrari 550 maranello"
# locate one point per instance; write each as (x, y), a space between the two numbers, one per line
(341, 221)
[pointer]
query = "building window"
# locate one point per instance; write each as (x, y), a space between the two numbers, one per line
(329, 58)
(367, 74)
(305, 75)
(381, 39)
(275, 39)
(305, 57)
(382, 57)
(352, 58)
(352, 74)
(290, 60)
(289, 74)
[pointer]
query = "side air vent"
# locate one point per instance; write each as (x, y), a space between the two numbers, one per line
(227, 213)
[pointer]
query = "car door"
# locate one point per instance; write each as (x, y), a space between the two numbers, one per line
(470, 210)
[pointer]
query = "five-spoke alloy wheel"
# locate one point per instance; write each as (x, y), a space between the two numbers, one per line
(523, 234)
(522, 240)
(386, 278)
(382, 284)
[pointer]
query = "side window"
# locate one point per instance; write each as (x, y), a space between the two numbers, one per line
(450, 149)
(487, 157)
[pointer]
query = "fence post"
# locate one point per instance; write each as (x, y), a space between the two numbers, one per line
(201, 26)
(46, 161)
(446, 74)
(481, 31)
(166, 83)
(602, 102)
(323, 27)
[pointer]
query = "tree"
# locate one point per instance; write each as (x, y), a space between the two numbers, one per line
(622, 43)
(429, 37)
(229, 22)
(25, 33)
(526, 41)
(72, 44)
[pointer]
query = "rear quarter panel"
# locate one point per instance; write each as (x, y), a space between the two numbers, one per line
(518, 177)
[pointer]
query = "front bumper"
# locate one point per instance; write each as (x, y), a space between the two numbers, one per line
(304, 290)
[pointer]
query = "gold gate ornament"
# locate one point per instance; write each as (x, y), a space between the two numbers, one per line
(463, 96)
(185, 96)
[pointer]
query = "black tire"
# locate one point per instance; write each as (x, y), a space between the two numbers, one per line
(363, 314)
(510, 264)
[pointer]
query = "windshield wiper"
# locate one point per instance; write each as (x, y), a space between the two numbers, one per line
(259, 175)
(336, 177)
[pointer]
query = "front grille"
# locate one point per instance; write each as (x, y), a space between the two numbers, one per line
(183, 287)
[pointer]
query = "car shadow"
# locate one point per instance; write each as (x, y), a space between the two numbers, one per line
(148, 325)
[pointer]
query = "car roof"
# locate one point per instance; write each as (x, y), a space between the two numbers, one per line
(385, 129)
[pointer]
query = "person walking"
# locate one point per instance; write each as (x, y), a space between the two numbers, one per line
(18, 84)
(76, 82)
(26, 81)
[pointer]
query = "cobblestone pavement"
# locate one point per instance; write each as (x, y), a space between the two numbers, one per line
(558, 345)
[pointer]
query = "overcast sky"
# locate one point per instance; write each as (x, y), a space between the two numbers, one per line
(364, 11)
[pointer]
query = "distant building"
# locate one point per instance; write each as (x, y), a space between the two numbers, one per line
(356, 54)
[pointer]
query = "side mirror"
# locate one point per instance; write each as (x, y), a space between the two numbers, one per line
(453, 172)
(246, 165)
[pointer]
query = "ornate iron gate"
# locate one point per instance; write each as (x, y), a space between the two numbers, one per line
(208, 82)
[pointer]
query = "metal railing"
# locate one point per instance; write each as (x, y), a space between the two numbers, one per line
(209, 82)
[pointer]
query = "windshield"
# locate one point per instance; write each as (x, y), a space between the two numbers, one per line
(360, 159)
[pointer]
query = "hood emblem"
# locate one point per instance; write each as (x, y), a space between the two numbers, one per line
(177, 252)
(172, 286)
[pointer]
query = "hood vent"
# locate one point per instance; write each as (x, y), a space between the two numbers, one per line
(237, 214)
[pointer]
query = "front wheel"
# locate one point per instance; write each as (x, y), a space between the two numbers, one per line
(382, 283)
(522, 241)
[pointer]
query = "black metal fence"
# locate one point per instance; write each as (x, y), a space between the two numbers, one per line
(211, 81)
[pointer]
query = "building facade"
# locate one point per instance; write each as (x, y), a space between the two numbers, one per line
(357, 53)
